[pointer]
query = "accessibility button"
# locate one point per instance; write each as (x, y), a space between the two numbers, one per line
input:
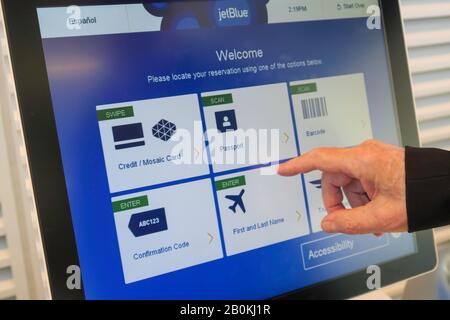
(149, 222)
(335, 248)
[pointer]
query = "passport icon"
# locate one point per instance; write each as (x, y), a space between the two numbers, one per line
(128, 136)
(226, 121)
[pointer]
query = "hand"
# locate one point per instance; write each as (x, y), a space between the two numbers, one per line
(372, 177)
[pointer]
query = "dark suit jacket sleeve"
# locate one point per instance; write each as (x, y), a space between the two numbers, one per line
(427, 188)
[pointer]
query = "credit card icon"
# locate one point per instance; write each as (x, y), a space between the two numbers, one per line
(128, 136)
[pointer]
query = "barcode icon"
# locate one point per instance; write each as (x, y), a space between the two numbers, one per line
(314, 108)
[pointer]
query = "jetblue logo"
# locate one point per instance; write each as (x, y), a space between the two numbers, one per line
(233, 13)
(178, 15)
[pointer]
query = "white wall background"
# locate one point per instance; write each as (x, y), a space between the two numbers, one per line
(22, 268)
(427, 24)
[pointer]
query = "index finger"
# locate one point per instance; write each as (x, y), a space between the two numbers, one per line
(333, 160)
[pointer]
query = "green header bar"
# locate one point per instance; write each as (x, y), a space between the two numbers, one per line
(128, 204)
(217, 100)
(116, 113)
(230, 183)
(304, 88)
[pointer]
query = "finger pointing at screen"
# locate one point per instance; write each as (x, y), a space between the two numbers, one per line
(371, 176)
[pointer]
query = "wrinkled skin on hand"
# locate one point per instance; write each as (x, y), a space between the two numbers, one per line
(372, 177)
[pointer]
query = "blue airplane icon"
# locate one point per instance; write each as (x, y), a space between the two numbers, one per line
(237, 202)
(317, 183)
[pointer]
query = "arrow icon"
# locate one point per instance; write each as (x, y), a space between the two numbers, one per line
(299, 216)
(211, 238)
(285, 137)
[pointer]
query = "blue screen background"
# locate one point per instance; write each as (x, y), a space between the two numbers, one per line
(95, 70)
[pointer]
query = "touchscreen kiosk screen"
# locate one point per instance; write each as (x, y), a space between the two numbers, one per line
(172, 118)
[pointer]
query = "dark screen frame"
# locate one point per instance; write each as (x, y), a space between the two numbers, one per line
(51, 197)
